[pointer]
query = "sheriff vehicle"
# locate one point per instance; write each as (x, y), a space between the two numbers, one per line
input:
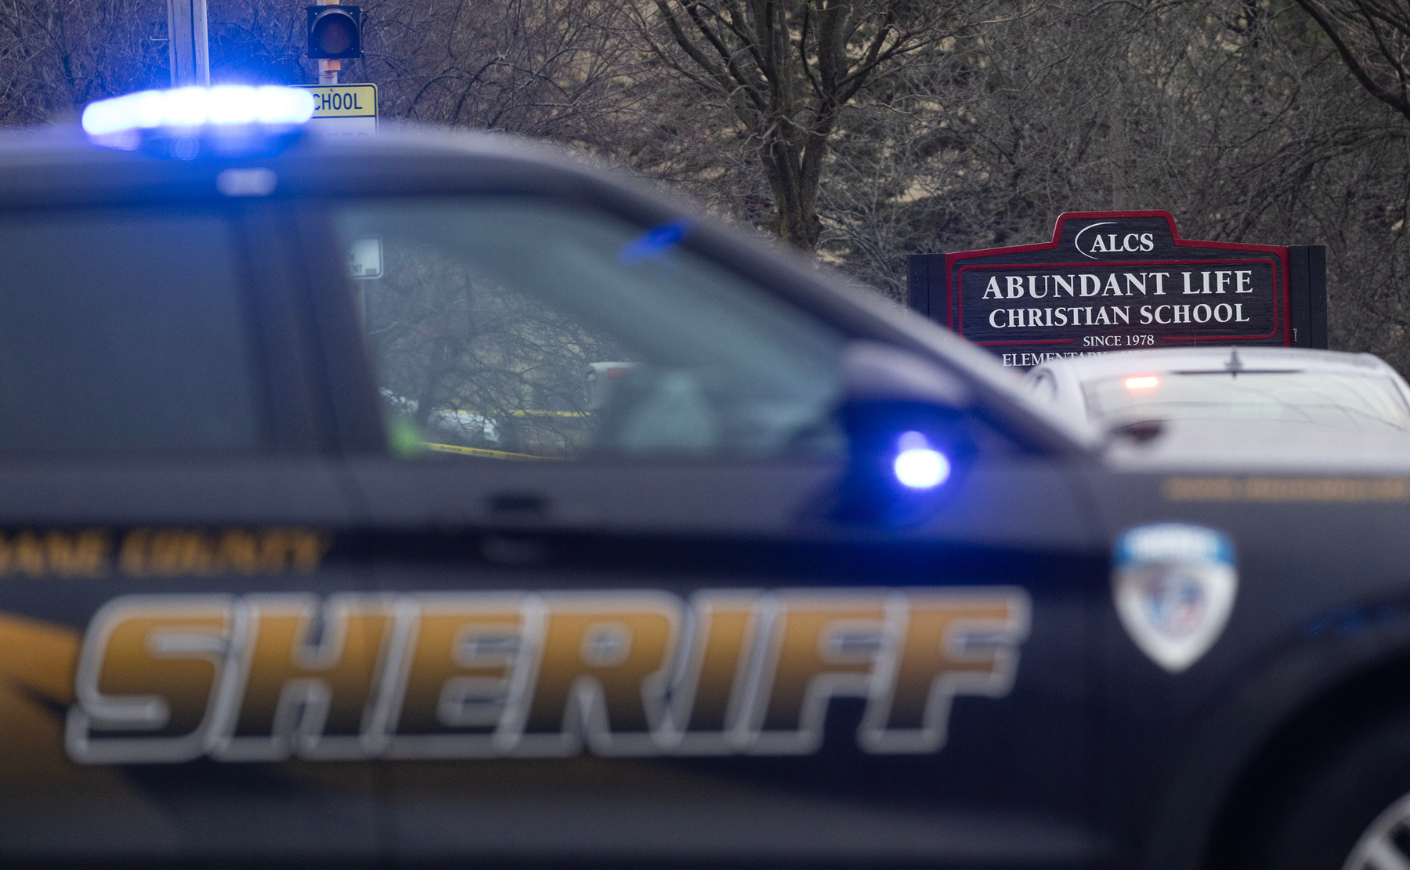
(816, 584)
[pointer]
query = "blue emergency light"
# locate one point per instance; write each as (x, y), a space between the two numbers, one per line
(918, 465)
(188, 121)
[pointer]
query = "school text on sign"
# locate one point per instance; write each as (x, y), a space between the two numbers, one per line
(343, 110)
(1121, 281)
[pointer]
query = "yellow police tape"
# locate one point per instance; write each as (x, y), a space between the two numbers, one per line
(540, 413)
(518, 413)
(478, 451)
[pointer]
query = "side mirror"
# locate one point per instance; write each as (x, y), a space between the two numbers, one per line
(907, 446)
(874, 372)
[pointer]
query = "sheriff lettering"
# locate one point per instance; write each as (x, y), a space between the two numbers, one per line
(265, 677)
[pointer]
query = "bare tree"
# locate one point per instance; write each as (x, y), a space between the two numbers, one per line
(788, 69)
(1373, 39)
(546, 68)
(56, 55)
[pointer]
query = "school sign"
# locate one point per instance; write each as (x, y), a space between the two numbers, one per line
(1120, 281)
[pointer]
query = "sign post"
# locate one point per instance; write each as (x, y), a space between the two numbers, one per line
(1121, 281)
(187, 44)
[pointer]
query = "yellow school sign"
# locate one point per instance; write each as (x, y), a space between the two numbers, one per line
(343, 110)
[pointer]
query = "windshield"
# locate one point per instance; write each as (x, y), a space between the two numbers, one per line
(1336, 400)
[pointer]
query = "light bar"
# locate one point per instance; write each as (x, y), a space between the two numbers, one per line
(1142, 382)
(125, 122)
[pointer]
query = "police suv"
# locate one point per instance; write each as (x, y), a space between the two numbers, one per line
(316, 549)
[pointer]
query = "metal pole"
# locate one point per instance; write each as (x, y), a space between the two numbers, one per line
(188, 43)
(328, 69)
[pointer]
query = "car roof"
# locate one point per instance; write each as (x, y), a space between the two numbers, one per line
(57, 166)
(1218, 359)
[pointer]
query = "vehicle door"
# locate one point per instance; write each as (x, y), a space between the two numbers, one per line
(651, 602)
(1273, 592)
(169, 540)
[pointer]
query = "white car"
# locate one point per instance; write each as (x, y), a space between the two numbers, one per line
(1252, 395)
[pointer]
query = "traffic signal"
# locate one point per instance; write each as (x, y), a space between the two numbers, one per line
(334, 32)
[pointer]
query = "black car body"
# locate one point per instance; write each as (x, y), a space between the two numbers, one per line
(240, 626)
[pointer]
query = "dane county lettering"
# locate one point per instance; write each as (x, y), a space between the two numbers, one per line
(1110, 307)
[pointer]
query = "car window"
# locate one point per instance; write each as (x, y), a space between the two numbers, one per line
(520, 328)
(123, 331)
(1338, 400)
